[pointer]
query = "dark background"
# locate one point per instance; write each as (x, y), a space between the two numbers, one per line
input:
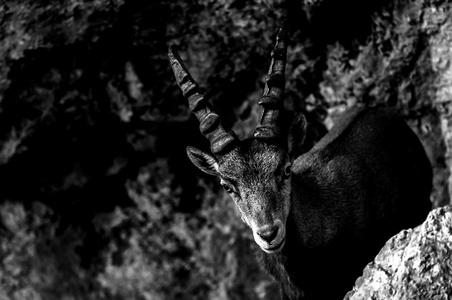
(98, 199)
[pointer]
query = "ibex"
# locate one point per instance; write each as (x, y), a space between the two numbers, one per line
(319, 216)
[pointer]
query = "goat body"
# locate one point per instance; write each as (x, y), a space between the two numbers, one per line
(366, 180)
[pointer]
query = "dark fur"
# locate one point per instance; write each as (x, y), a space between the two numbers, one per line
(365, 181)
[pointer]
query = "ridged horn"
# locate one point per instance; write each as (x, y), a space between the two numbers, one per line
(221, 141)
(272, 100)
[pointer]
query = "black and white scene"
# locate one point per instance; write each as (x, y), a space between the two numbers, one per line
(225, 150)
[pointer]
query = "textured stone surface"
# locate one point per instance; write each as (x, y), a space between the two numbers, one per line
(414, 264)
(437, 26)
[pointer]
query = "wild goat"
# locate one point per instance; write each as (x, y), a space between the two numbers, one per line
(321, 216)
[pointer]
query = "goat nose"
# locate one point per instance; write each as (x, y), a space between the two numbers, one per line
(268, 234)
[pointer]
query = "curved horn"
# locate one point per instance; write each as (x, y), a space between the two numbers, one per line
(272, 100)
(210, 125)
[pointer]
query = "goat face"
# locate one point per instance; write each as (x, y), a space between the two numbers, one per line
(257, 176)
(255, 172)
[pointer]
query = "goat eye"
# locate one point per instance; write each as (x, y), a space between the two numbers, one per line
(227, 188)
(287, 171)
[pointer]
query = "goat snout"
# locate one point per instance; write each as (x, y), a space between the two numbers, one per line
(268, 233)
(271, 238)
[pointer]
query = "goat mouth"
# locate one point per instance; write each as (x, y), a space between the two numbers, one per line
(275, 248)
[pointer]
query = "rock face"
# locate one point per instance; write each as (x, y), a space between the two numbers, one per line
(414, 264)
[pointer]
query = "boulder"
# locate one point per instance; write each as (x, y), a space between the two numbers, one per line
(414, 264)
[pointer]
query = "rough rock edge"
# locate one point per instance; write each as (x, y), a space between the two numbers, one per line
(414, 264)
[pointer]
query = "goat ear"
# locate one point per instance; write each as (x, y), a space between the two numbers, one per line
(297, 134)
(204, 161)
